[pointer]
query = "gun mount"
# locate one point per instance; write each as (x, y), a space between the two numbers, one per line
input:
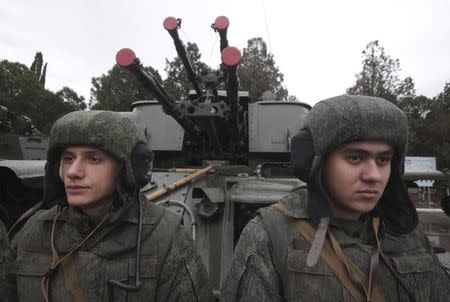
(249, 144)
(215, 122)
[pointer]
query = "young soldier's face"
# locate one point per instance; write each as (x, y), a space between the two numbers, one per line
(89, 176)
(356, 175)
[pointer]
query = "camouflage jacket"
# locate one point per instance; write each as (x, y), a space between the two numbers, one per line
(171, 269)
(272, 267)
(6, 289)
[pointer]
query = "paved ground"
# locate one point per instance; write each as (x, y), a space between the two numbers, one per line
(436, 225)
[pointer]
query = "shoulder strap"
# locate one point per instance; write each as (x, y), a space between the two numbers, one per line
(279, 240)
(328, 255)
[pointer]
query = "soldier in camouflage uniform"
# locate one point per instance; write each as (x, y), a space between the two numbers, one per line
(350, 153)
(98, 240)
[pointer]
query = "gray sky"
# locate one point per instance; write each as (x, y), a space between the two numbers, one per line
(316, 44)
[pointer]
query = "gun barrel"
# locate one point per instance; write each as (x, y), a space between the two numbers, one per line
(126, 58)
(221, 25)
(231, 57)
(171, 25)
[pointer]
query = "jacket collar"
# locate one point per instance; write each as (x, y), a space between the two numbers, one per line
(151, 213)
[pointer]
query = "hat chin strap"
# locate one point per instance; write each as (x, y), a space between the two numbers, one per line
(57, 261)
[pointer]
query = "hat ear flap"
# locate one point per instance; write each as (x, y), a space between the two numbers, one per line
(396, 207)
(141, 163)
(302, 154)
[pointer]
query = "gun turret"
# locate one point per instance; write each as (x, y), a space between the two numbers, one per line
(127, 58)
(231, 57)
(171, 25)
(214, 118)
(221, 25)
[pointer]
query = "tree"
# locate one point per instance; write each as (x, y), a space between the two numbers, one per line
(43, 75)
(443, 98)
(258, 73)
(118, 89)
(438, 127)
(177, 83)
(22, 93)
(379, 76)
(36, 68)
(429, 126)
(292, 98)
(416, 109)
(20, 90)
(71, 99)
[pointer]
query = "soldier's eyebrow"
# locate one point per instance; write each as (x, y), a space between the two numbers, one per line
(86, 152)
(66, 152)
(95, 152)
(362, 151)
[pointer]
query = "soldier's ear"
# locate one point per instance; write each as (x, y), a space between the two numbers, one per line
(302, 154)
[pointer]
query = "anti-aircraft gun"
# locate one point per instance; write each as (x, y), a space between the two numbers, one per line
(247, 143)
(215, 121)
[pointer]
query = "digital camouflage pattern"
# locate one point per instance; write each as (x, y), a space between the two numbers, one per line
(270, 256)
(6, 264)
(276, 270)
(349, 118)
(171, 269)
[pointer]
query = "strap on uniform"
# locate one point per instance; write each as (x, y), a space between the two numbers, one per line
(70, 277)
(343, 268)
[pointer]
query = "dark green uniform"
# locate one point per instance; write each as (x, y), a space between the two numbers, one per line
(273, 269)
(271, 260)
(170, 268)
(6, 265)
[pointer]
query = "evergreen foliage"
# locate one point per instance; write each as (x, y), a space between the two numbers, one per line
(380, 76)
(177, 83)
(118, 89)
(36, 68)
(23, 93)
(258, 71)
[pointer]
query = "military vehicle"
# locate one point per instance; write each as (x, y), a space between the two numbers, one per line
(239, 150)
(23, 150)
(19, 139)
(218, 157)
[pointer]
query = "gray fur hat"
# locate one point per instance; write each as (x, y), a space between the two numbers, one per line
(349, 118)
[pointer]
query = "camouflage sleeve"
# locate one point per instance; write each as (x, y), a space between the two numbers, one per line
(252, 275)
(439, 276)
(8, 290)
(440, 279)
(183, 275)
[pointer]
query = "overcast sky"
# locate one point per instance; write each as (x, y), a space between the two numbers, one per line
(316, 44)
